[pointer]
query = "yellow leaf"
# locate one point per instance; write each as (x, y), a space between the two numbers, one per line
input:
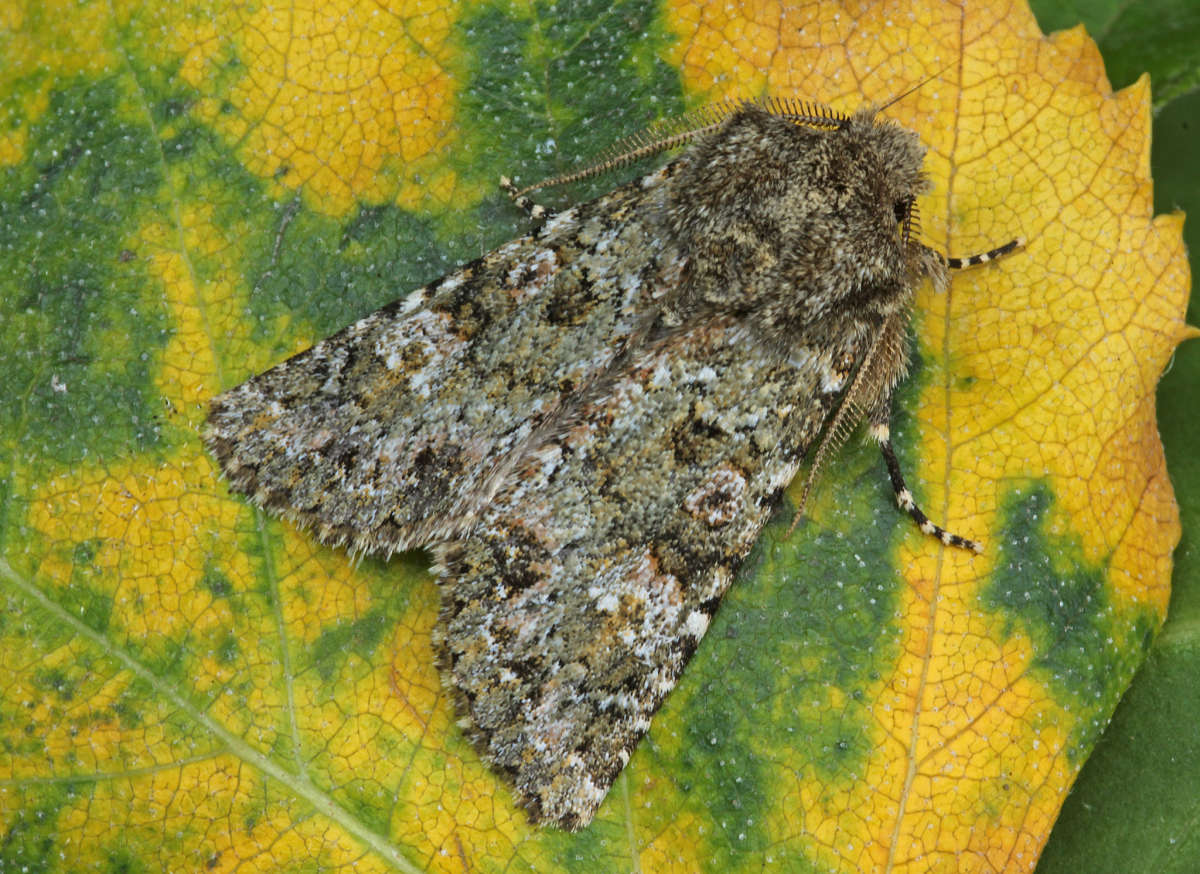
(195, 191)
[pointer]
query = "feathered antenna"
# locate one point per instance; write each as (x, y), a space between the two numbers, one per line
(672, 133)
(912, 222)
(804, 112)
(660, 137)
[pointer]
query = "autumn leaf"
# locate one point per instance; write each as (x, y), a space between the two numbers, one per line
(191, 193)
(1133, 805)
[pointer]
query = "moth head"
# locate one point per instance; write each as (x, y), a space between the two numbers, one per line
(899, 155)
(785, 216)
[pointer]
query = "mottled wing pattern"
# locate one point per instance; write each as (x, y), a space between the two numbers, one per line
(415, 410)
(574, 606)
(593, 423)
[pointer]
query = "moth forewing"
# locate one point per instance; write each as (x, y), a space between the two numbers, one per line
(591, 424)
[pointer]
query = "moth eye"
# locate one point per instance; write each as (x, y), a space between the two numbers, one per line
(903, 207)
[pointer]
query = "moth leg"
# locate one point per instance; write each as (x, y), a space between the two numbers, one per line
(535, 211)
(881, 433)
(984, 257)
(871, 389)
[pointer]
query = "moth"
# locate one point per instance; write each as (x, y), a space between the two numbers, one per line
(591, 424)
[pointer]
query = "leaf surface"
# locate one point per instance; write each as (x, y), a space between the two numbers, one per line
(192, 193)
(1134, 805)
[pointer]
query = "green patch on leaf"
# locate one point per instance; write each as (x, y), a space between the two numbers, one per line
(228, 649)
(31, 837)
(216, 582)
(92, 606)
(1047, 591)
(530, 118)
(77, 334)
(359, 638)
(119, 860)
(783, 680)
